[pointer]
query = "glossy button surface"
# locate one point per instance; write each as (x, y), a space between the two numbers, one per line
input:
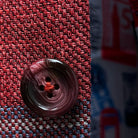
(49, 87)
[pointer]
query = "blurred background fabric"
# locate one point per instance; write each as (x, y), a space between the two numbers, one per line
(36, 29)
(114, 72)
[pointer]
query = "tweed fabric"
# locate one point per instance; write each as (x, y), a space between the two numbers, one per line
(36, 29)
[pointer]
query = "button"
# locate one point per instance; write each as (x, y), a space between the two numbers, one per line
(49, 87)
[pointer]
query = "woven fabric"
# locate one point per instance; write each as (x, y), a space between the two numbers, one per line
(32, 30)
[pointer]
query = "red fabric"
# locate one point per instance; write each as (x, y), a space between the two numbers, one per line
(32, 30)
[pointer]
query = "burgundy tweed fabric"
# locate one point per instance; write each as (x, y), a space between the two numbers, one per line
(36, 29)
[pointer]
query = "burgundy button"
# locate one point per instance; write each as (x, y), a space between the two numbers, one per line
(49, 87)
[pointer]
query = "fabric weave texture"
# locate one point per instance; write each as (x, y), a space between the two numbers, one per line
(36, 29)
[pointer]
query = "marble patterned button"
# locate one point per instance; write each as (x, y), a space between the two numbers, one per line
(49, 87)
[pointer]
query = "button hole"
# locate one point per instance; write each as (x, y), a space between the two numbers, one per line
(48, 79)
(56, 86)
(41, 87)
(50, 95)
